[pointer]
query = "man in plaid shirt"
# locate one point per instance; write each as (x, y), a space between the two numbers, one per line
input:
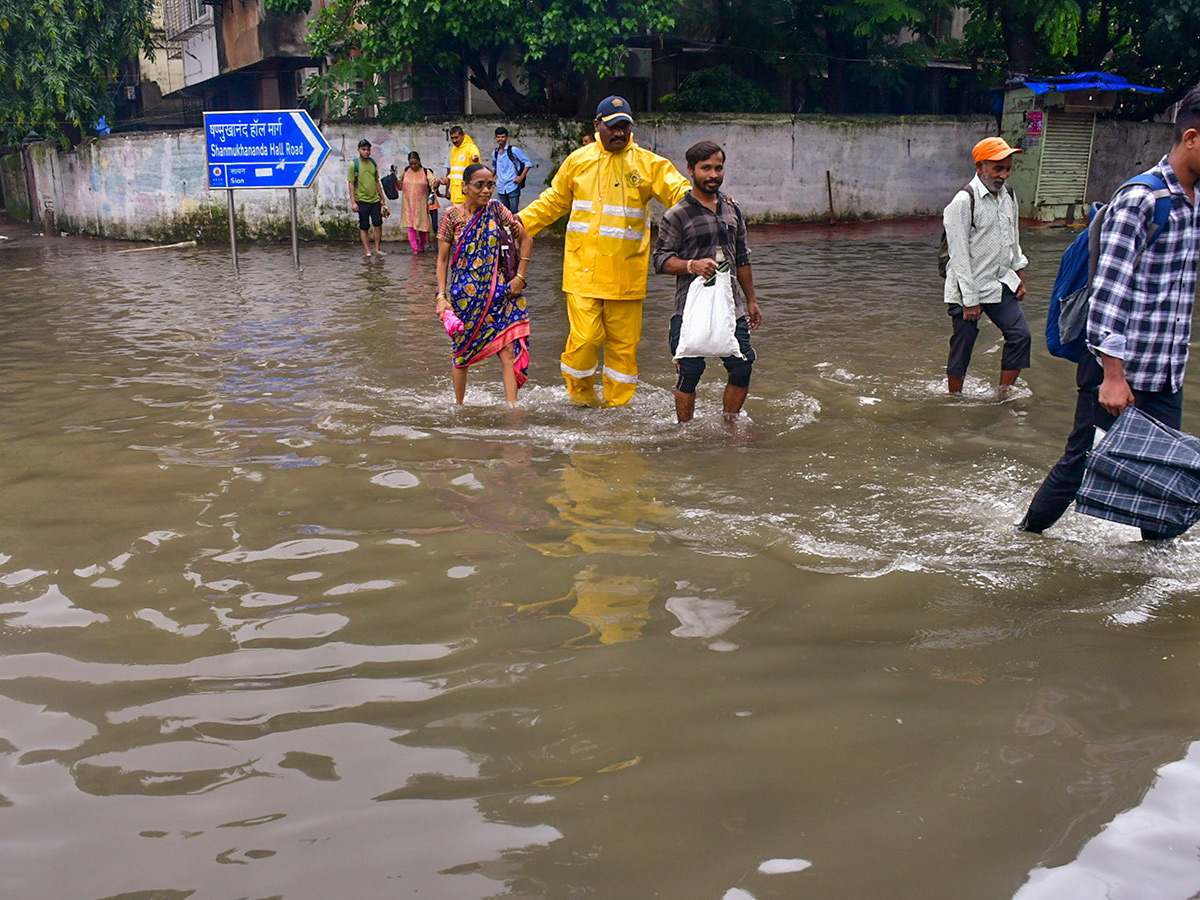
(1140, 316)
(690, 235)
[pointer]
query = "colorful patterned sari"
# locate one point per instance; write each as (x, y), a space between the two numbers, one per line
(480, 298)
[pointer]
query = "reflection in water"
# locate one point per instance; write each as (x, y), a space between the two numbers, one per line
(1148, 851)
(275, 621)
(1114, 762)
(604, 507)
(603, 514)
(611, 607)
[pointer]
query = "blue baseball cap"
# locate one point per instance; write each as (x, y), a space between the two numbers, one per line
(614, 109)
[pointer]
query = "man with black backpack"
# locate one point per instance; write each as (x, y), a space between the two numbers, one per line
(985, 272)
(1139, 316)
(511, 167)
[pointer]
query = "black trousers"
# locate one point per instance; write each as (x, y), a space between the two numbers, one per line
(1061, 485)
(1008, 316)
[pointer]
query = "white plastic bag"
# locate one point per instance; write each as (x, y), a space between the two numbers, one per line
(709, 320)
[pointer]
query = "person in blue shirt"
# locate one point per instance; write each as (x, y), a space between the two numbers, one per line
(511, 166)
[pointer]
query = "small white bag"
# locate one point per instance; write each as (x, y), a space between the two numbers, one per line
(709, 319)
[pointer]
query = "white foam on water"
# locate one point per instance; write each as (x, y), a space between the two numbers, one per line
(783, 866)
(703, 617)
(399, 479)
(376, 584)
(303, 548)
(402, 431)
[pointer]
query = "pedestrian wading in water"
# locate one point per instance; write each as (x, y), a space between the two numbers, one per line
(704, 227)
(605, 188)
(985, 274)
(479, 302)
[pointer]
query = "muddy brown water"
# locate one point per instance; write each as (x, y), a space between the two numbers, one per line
(277, 621)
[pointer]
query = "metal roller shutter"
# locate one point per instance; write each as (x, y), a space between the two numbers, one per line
(1066, 158)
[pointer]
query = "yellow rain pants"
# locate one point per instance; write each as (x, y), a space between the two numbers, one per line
(615, 325)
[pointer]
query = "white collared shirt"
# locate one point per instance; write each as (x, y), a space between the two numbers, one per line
(984, 257)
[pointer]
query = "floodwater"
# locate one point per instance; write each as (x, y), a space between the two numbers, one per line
(278, 621)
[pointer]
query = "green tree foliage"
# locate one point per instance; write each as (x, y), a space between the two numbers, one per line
(837, 55)
(850, 55)
(1147, 41)
(821, 55)
(1166, 55)
(718, 89)
(286, 7)
(58, 59)
(560, 43)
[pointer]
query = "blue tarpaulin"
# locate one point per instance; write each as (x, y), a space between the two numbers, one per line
(1084, 81)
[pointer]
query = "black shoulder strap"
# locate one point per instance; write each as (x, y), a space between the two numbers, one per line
(518, 165)
(970, 196)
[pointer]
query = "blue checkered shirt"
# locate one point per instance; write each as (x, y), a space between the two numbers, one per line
(1141, 308)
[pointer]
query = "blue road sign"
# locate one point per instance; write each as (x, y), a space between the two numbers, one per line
(277, 148)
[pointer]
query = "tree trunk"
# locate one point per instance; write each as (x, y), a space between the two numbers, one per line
(504, 94)
(1019, 30)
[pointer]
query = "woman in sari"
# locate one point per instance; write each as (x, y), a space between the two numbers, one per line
(416, 185)
(472, 285)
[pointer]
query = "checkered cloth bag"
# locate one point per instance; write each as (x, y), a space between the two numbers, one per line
(1143, 473)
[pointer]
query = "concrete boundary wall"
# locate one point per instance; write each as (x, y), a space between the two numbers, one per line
(152, 186)
(1122, 150)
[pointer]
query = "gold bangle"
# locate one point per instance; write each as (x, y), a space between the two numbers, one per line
(440, 295)
(525, 258)
(520, 275)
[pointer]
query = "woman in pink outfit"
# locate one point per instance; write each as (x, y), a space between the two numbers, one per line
(415, 188)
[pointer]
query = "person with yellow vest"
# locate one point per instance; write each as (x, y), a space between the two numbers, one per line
(606, 186)
(462, 154)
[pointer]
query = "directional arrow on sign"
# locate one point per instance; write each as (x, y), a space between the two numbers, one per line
(320, 147)
(281, 148)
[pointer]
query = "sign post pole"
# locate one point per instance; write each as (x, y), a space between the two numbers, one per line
(232, 231)
(279, 148)
(295, 240)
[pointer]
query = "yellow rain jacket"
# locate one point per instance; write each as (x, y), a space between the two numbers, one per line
(608, 195)
(461, 157)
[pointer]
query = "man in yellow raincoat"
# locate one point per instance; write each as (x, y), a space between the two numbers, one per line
(606, 186)
(462, 154)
